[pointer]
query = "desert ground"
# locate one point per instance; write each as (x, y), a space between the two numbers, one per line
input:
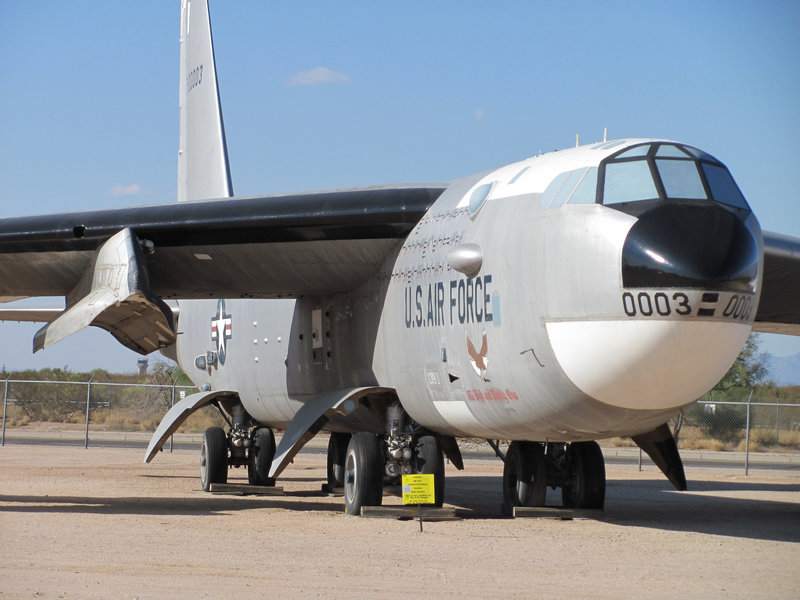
(98, 523)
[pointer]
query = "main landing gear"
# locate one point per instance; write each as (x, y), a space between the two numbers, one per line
(244, 445)
(364, 463)
(577, 468)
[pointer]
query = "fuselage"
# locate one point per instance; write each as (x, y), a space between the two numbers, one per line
(577, 295)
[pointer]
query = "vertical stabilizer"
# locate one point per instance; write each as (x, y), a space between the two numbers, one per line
(203, 169)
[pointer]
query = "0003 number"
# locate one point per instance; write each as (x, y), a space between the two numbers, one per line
(659, 303)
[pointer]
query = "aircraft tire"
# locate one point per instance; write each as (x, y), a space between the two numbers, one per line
(429, 459)
(524, 476)
(363, 473)
(586, 476)
(262, 451)
(337, 451)
(213, 458)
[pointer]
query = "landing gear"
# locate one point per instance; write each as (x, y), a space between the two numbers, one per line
(213, 458)
(524, 476)
(363, 473)
(370, 460)
(584, 484)
(337, 450)
(261, 453)
(577, 468)
(429, 459)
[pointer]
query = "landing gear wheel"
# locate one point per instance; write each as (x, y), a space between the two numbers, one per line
(429, 459)
(213, 458)
(524, 482)
(363, 473)
(262, 451)
(337, 450)
(585, 485)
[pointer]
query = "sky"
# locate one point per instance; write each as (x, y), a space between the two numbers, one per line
(320, 95)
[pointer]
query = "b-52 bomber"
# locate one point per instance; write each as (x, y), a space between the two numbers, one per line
(569, 297)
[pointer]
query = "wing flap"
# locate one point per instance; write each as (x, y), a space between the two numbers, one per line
(779, 307)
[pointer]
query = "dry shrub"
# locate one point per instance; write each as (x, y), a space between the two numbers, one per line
(622, 442)
(703, 444)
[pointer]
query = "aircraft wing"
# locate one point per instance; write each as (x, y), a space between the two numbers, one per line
(779, 308)
(257, 247)
(115, 267)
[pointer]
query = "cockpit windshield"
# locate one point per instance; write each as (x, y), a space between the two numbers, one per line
(659, 171)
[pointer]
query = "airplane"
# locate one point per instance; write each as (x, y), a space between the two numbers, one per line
(570, 297)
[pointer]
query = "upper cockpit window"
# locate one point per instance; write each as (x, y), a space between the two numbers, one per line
(634, 152)
(660, 171)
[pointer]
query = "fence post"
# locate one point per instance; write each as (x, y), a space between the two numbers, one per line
(5, 406)
(174, 383)
(88, 400)
(747, 436)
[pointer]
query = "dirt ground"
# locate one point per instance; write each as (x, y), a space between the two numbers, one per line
(98, 523)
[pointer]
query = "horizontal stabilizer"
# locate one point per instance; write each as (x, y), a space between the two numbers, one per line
(30, 315)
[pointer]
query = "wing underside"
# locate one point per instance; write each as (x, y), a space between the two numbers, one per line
(115, 267)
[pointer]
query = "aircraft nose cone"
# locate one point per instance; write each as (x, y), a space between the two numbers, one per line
(690, 246)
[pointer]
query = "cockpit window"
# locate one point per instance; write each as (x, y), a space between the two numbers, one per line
(560, 189)
(723, 187)
(628, 182)
(670, 151)
(586, 191)
(661, 171)
(681, 179)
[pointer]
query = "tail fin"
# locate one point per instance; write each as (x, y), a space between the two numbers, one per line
(203, 168)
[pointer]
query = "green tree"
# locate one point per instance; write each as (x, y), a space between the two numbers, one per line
(749, 369)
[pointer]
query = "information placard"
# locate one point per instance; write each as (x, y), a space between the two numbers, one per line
(418, 489)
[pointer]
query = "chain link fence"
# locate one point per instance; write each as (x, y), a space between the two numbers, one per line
(92, 411)
(746, 426)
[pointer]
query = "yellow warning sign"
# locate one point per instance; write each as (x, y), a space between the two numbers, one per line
(418, 489)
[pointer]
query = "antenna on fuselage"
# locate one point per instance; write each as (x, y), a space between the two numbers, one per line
(577, 139)
(605, 133)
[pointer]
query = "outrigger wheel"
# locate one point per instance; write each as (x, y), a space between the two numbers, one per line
(213, 458)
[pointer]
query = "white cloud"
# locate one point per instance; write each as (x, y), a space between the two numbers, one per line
(126, 190)
(479, 113)
(317, 76)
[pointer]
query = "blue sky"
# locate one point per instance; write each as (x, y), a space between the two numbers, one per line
(321, 94)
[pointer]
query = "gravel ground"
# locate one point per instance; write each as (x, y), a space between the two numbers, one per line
(97, 523)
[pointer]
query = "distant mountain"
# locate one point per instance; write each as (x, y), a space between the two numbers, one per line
(784, 370)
